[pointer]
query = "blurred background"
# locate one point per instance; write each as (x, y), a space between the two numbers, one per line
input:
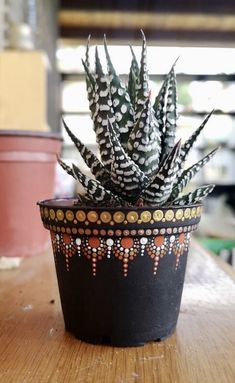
(45, 79)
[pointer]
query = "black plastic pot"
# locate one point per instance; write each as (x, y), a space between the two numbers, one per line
(120, 271)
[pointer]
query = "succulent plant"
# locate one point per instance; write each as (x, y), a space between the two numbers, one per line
(140, 162)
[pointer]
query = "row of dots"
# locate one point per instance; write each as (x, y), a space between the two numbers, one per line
(119, 216)
(118, 233)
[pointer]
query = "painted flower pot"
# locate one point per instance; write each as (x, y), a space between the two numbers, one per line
(27, 172)
(120, 271)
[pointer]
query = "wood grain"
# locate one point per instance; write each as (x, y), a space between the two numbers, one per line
(35, 348)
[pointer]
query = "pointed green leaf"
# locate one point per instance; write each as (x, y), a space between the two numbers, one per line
(144, 144)
(103, 112)
(187, 146)
(160, 187)
(159, 190)
(142, 88)
(188, 174)
(90, 79)
(195, 196)
(159, 106)
(162, 104)
(134, 63)
(123, 110)
(96, 167)
(168, 139)
(132, 87)
(127, 178)
(66, 167)
(94, 189)
(132, 79)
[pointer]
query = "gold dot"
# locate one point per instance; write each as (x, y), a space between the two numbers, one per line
(92, 216)
(60, 215)
(199, 210)
(119, 216)
(194, 212)
(145, 216)
(169, 215)
(69, 215)
(187, 213)
(74, 230)
(157, 215)
(105, 216)
(132, 216)
(63, 230)
(80, 215)
(46, 212)
(42, 212)
(52, 214)
(179, 214)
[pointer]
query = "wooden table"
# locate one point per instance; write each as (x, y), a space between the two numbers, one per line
(35, 348)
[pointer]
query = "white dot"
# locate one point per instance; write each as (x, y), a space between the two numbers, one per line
(109, 242)
(78, 241)
(172, 238)
(123, 108)
(143, 240)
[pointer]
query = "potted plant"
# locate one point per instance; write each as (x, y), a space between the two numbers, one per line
(121, 248)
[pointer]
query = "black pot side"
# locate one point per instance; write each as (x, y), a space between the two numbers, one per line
(120, 271)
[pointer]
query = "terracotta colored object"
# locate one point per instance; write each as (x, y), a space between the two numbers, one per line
(120, 271)
(27, 171)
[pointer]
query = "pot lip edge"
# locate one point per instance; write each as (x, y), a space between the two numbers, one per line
(30, 134)
(51, 203)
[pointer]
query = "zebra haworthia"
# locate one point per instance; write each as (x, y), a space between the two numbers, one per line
(139, 164)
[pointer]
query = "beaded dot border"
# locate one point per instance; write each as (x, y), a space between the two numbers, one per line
(119, 217)
(124, 249)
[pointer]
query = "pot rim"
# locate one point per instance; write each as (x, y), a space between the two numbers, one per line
(67, 203)
(31, 134)
(59, 213)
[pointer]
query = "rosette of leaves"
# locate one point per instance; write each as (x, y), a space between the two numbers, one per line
(140, 162)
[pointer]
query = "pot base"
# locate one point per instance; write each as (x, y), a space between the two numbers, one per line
(130, 340)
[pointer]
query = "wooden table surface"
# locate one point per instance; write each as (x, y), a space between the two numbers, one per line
(35, 348)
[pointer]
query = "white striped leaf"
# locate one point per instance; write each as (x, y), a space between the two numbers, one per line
(94, 189)
(159, 190)
(144, 144)
(127, 178)
(196, 196)
(188, 174)
(121, 103)
(96, 167)
(142, 87)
